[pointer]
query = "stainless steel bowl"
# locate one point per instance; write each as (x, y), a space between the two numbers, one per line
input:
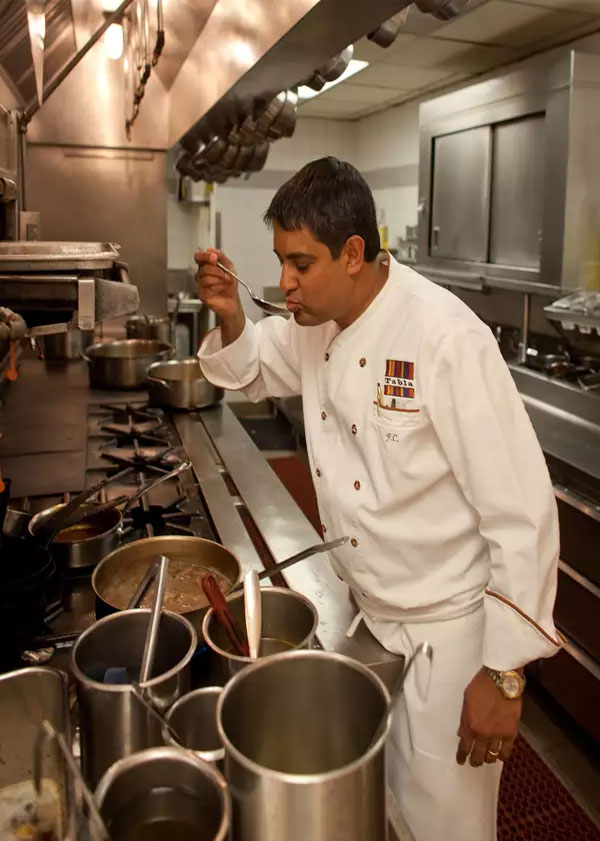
(180, 384)
(123, 363)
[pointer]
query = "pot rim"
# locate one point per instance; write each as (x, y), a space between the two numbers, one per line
(216, 755)
(157, 347)
(166, 752)
(239, 658)
(145, 541)
(81, 677)
(303, 779)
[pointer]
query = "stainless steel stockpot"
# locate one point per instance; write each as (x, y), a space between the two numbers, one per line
(123, 363)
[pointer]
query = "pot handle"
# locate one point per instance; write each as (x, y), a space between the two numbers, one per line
(85, 357)
(172, 351)
(151, 379)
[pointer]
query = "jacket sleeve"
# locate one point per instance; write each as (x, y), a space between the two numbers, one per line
(263, 362)
(487, 436)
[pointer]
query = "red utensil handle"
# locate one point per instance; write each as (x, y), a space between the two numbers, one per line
(217, 601)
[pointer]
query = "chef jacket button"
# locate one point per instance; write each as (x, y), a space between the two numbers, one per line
(362, 362)
(326, 357)
(354, 429)
(323, 415)
(318, 472)
(357, 485)
(354, 542)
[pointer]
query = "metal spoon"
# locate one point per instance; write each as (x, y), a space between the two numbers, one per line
(154, 623)
(253, 610)
(275, 309)
(301, 556)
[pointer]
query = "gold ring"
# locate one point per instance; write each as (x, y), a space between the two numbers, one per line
(493, 752)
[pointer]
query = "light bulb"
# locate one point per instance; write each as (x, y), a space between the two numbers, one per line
(113, 41)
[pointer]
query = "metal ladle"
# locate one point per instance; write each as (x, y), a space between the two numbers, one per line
(154, 621)
(48, 734)
(274, 309)
(253, 611)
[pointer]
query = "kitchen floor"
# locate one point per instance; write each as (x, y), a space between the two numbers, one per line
(567, 752)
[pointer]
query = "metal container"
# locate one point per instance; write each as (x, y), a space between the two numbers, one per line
(289, 621)
(164, 793)
(304, 736)
(113, 722)
(116, 578)
(149, 327)
(123, 363)
(180, 384)
(85, 544)
(27, 697)
(16, 522)
(194, 719)
(67, 345)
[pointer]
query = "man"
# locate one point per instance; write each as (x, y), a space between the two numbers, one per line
(421, 451)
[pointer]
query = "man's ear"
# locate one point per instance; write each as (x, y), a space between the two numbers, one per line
(353, 253)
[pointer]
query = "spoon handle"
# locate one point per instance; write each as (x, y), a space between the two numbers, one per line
(154, 622)
(253, 610)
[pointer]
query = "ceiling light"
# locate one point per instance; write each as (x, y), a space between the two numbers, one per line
(113, 41)
(355, 66)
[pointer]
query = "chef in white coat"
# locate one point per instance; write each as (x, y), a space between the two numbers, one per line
(420, 450)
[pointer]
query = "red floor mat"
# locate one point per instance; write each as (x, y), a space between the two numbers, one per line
(534, 805)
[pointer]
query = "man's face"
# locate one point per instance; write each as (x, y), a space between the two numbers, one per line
(316, 286)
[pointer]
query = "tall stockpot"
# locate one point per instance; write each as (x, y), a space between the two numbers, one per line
(163, 793)
(304, 735)
(113, 722)
(289, 622)
(67, 345)
(149, 327)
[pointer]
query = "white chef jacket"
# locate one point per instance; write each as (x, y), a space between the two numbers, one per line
(421, 450)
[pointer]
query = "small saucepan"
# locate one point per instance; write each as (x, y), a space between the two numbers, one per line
(180, 384)
(116, 578)
(85, 543)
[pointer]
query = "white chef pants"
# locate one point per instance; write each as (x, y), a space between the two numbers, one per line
(440, 800)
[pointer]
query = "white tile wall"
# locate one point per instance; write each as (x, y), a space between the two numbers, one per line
(389, 138)
(313, 139)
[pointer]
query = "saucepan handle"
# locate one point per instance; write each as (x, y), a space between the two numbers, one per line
(158, 380)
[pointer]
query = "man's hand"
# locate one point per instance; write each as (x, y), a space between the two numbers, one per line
(216, 288)
(488, 724)
(219, 291)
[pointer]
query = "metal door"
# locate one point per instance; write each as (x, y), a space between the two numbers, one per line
(461, 195)
(517, 192)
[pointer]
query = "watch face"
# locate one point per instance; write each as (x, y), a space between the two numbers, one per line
(511, 685)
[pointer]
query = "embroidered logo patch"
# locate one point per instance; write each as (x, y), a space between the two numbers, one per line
(399, 379)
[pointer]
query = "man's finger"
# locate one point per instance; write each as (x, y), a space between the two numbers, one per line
(464, 745)
(507, 748)
(478, 752)
(494, 748)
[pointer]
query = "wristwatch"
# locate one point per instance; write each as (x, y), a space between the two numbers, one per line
(511, 684)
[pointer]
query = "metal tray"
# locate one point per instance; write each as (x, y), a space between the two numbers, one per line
(65, 256)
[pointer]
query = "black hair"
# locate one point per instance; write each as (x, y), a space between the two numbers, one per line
(333, 200)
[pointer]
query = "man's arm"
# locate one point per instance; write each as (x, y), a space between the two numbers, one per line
(263, 359)
(484, 430)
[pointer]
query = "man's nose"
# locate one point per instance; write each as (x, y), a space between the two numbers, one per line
(287, 283)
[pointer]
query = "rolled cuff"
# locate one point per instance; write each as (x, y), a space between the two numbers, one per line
(512, 639)
(235, 366)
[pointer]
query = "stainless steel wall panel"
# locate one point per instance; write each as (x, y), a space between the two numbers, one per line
(103, 194)
(461, 195)
(517, 192)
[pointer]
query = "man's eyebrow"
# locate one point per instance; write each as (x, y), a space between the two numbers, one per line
(297, 255)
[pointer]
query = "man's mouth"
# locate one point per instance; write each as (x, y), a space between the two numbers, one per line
(292, 305)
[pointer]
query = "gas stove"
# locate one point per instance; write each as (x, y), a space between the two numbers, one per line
(134, 446)
(137, 446)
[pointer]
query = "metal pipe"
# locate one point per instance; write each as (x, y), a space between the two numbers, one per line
(525, 328)
(113, 17)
